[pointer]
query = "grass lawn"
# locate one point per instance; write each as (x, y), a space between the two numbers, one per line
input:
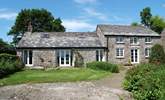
(61, 75)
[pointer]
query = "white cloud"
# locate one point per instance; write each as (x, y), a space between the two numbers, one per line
(78, 25)
(85, 1)
(8, 15)
(94, 13)
(163, 5)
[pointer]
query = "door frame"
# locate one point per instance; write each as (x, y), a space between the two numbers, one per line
(138, 54)
(28, 57)
(65, 53)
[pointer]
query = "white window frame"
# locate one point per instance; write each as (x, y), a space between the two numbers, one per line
(28, 57)
(100, 55)
(60, 56)
(134, 56)
(147, 52)
(148, 40)
(132, 41)
(121, 52)
(119, 39)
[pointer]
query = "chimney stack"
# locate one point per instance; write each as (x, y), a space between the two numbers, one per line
(30, 27)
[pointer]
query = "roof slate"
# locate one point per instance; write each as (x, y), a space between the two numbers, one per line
(60, 39)
(127, 30)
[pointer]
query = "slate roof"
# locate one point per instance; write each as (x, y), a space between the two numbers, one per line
(60, 39)
(126, 30)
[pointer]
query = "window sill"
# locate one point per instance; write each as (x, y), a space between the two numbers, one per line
(120, 57)
(148, 42)
(147, 57)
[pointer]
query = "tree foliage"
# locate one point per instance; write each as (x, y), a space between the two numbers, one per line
(146, 16)
(134, 24)
(157, 55)
(3, 44)
(40, 19)
(157, 24)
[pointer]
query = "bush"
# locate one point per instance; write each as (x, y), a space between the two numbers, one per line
(145, 82)
(8, 51)
(157, 55)
(8, 57)
(103, 66)
(9, 64)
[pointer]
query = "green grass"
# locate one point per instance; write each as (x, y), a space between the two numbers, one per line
(61, 75)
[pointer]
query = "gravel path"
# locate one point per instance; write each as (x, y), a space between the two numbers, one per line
(115, 83)
(104, 89)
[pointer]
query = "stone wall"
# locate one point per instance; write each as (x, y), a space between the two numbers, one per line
(44, 58)
(89, 55)
(112, 45)
(48, 57)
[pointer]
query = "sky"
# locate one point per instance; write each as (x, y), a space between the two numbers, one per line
(80, 15)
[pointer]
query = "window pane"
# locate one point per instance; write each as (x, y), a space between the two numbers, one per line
(131, 40)
(30, 57)
(25, 56)
(67, 57)
(101, 55)
(119, 39)
(97, 55)
(62, 57)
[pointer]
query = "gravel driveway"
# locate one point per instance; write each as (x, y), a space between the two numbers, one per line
(61, 91)
(105, 89)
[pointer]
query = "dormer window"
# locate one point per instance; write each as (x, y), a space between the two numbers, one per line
(119, 39)
(148, 40)
(134, 40)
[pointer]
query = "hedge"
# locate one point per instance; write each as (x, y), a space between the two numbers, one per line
(157, 55)
(146, 82)
(103, 66)
(9, 64)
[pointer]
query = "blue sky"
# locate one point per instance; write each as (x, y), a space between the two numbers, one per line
(80, 15)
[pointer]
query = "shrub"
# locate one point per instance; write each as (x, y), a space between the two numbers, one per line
(8, 57)
(8, 50)
(157, 55)
(79, 61)
(145, 82)
(103, 66)
(9, 64)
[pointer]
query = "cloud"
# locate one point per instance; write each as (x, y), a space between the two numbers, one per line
(78, 25)
(163, 5)
(92, 12)
(85, 1)
(8, 15)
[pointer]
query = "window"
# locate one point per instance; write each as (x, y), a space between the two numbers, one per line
(148, 39)
(99, 55)
(120, 52)
(119, 39)
(64, 57)
(147, 52)
(134, 40)
(28, 57)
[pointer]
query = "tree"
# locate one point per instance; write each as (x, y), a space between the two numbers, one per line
(157, 24)
(157, 55)
(40, 19)
(146, 17)
(134, 24)
(3, 44)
